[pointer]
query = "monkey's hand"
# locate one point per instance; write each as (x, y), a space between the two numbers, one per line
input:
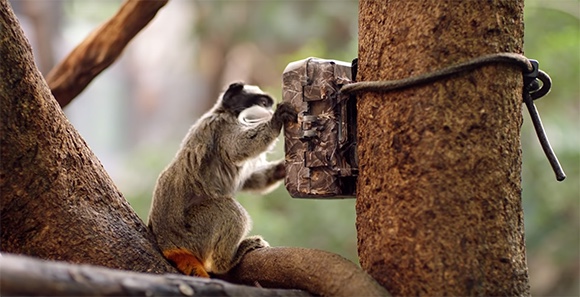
(246, 143)
(285, 113)
(279, 171)
(266, 179)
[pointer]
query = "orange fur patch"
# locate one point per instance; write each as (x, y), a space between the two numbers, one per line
(185, 262)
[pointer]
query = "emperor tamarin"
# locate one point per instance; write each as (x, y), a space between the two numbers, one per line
(198, 224)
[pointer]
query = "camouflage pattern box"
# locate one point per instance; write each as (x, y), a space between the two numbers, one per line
(321, 147)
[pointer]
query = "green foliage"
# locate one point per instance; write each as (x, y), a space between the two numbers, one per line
(145, 164)
(285, 221)
(552, 209)
(92, 11)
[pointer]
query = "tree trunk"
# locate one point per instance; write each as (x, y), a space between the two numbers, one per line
(57, 200)
(439, 195)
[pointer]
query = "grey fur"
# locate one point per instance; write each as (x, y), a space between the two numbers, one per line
(193, 202)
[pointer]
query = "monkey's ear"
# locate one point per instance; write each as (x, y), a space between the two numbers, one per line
(233, 90)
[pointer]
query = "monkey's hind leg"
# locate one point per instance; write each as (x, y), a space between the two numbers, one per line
(185, 262)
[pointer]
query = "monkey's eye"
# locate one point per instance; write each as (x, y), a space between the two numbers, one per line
(263, 101)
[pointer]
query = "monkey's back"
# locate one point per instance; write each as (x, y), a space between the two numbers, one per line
(210, 228)
(193, 203)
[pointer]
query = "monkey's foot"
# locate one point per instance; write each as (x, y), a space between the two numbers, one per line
(185, 262)
(251, 243)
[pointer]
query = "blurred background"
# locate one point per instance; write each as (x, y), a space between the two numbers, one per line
(136, 112)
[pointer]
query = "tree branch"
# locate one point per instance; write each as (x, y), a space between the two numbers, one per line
(100, 49)
(315, 271)
(26, 276)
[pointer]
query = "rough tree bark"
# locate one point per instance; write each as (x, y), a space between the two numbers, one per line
(439, 196)
(58, 203)
(57, 200)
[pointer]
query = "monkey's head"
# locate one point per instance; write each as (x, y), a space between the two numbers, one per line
(248, 103)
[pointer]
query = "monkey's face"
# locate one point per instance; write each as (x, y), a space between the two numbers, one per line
(248, 103)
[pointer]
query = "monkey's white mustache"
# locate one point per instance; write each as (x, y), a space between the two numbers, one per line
(255, 115)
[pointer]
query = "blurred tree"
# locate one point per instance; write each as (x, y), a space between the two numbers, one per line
(45, 20)
(257, 30)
